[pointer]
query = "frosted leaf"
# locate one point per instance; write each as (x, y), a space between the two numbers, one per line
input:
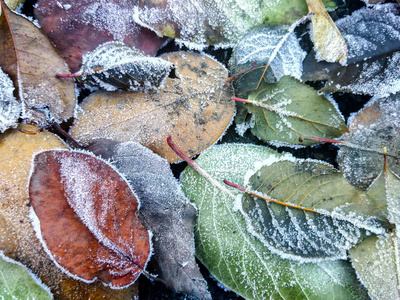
(10, 108)
(373, 39)
(221, 23)
(316, 228)
(164, 210)
(276, 51)
(114, 65)
(235, 257)
(375, 126)
(285, 111)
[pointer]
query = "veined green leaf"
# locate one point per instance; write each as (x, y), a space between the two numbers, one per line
(239, 260)
(285, 111)
(17, 283)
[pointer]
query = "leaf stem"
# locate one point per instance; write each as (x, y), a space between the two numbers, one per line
(234, 76)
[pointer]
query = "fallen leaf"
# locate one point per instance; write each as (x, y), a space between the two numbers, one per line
(235, 257)
(17, 236)
(80, 26)
(373, 127)
(17, 282)
(10, 108)
(195, 109)
(276, 52)
(88, 218)
(221, 23)
(329, 43)
(299, 210)
(371, 35)
(31, 61)
(13, 4)
(114, 65)
(164, 210)
(285, 111)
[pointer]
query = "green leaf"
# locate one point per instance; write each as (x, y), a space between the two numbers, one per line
(17, 283)
(276, 52)
(285, 111)
(306, 221)
(375, 262)
(239, 260)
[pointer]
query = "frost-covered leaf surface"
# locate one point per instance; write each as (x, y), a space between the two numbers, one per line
(373, 39)
(239, 260)
(31, 61)
(375, 262)
(375, 126)
(164, 210)
(16, 282)
(276, 52)
(316, 228)
(87, 218)
(10, 108)
(114, 65)
(289, 109)
(217, 22)
(328, 42)
(194, 109)
(80, 26)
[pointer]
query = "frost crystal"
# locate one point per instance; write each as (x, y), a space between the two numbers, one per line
(10, 108)
(114, 65)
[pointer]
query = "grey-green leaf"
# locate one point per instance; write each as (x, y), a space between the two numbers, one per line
(276, 52)
(17, 283)
(113, 65)
(290, 110)
(315, 227)
(10, 108)
(239, 260)
(373, 39)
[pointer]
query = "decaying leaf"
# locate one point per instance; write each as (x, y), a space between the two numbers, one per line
(235, 257)
(276, 52)
(285, 111)
(114, 65)
(164, 210)
(375, 126)
(31, 61)
(88, 218)
(17, 282)
(195, 109)
(80, 26)
(13, 4)
(305, 217)
(372, 37)
(328, 42)
(17, 236)
(10, 108)
(216, 22)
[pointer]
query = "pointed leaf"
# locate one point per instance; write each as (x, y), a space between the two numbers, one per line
(31, 61)
(87, 216)
(114, 65)
(10, 108)
(164, 210)
(306, 221)
(285, 111)
(276, 52)
(239, 260)
(196, 109)
(372, 37)
(373, 127)
(329, 43)
(17, 282)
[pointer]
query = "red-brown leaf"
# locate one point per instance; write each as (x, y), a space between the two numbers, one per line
(88, 217)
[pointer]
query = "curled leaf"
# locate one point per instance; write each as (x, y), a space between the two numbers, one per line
(87, 216)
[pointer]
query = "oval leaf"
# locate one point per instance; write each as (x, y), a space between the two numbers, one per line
(195, 109)
(88, 220)
(31, 61)
(285, 111)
